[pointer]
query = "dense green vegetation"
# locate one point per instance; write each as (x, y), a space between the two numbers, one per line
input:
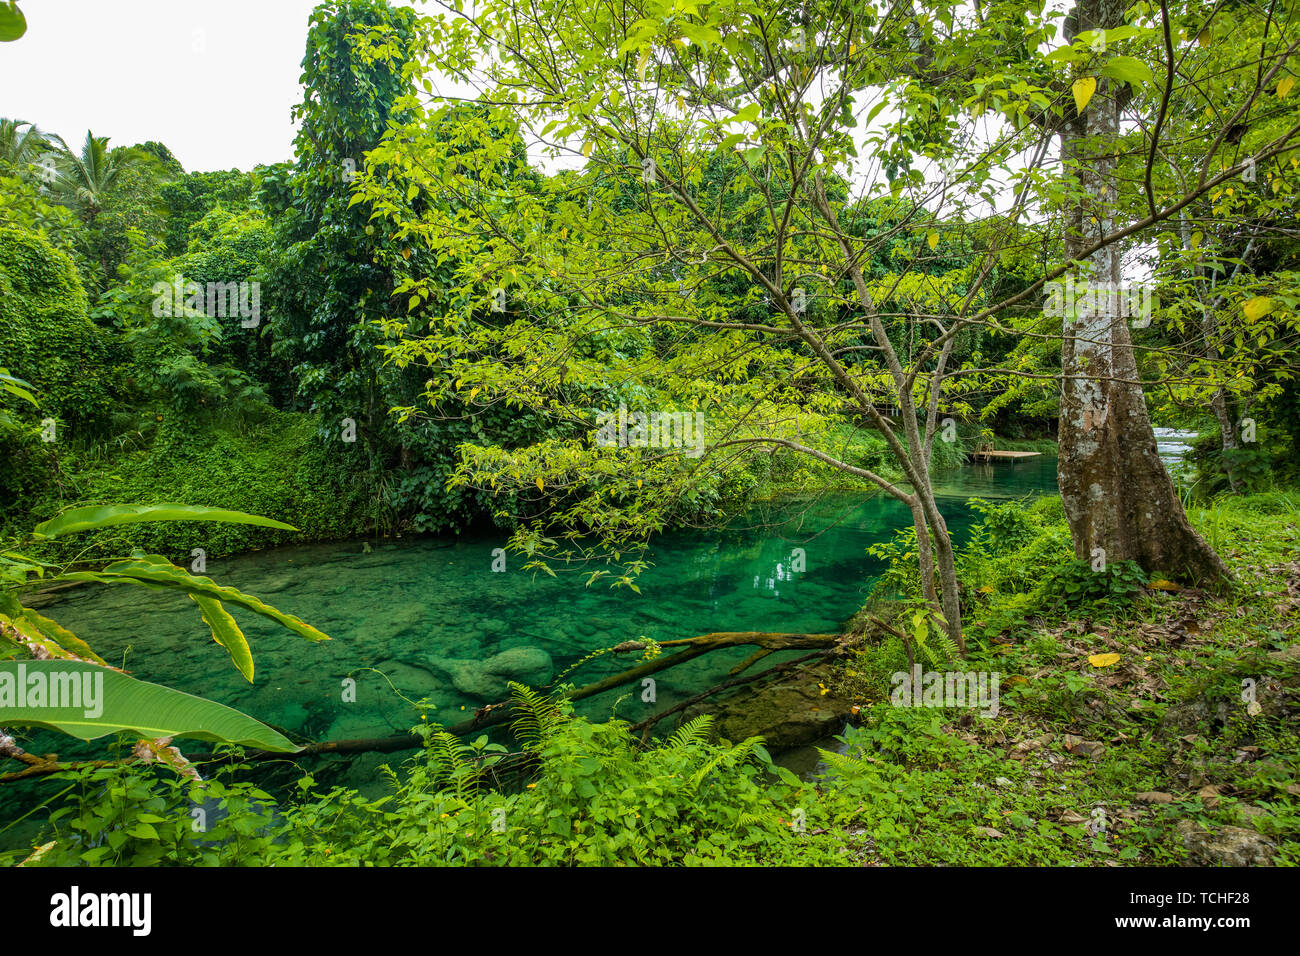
(1158, 739)
(811, 251)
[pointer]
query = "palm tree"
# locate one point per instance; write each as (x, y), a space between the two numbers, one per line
(85, 182)
(82, 181)
(21, 143)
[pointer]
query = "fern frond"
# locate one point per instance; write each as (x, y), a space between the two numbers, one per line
(727, 758)
(838, 761)
(537, 716)
(691, 734)
(443, 754)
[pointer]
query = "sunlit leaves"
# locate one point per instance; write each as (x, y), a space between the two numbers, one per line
(12, 22)
(1257, 307)
(121, 703)
(96, 517)
(1127, 69)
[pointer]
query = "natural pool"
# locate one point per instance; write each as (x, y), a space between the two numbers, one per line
(430, 614)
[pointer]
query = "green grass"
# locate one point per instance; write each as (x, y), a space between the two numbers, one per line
(1168, 713)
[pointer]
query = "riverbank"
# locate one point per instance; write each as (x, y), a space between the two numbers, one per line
(1157, 728)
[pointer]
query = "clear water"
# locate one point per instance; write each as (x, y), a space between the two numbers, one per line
(424, 611)
(1173, 444)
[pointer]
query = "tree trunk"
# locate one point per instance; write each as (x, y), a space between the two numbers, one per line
(1118, 497)
(1224, 411)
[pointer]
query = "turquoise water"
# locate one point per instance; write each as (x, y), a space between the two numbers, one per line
(430, 614)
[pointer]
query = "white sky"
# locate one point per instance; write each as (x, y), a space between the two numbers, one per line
(214, 81)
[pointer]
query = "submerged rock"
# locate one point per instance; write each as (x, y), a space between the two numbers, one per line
(488, 679)
(409, 680)
(360, 724)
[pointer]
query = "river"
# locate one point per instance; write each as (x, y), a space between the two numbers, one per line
(421, 618)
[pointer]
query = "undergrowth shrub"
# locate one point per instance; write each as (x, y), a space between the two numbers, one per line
(595, 798)
(272, 465)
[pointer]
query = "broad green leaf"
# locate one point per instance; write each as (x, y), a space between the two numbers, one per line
(1066, 54)
(93, 517)
(157, 572)
(1257, 308)
(226, 633)
(99, 701)
(12, 22)
(29, 635)
(16, 386)
(17, 617)
(1128, 69)
(65, 638)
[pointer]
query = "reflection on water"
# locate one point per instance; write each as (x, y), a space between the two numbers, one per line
(796, 562)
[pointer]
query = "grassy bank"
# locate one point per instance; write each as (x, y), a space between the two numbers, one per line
(1137, 722)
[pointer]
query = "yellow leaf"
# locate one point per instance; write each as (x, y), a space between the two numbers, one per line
(1103, 660)
(540, 485)
(933, 239)
(1204, 38)
(1257, 308)
(1284, 86)
(1083, 89)
(1162, 585)
(638, 482)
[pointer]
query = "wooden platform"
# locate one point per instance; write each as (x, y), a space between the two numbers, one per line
(984, 453)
